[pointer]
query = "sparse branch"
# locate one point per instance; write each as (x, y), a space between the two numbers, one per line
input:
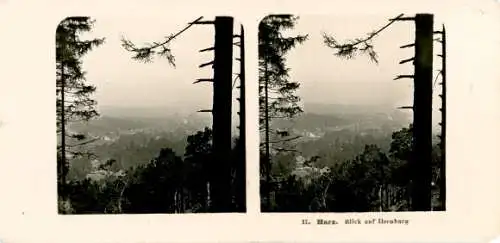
(234, 81)
(348, 50)
(87, 154)
(437, 76)
(83, 143)
(146, 53)
(285, 140)
(286, 150)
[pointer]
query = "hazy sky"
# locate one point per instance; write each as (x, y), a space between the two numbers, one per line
(330, 79)
(122, 81)
(324, 77)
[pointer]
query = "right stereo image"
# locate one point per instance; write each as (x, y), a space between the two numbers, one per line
(352, 113)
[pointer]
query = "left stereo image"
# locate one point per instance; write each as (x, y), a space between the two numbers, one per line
(150, 115)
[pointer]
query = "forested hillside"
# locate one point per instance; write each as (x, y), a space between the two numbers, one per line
(145, 176)
(131, 141)
(328, 149)
(345, 161)
(347, 172)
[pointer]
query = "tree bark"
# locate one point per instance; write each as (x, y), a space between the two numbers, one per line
(422, 113)
(222, 100)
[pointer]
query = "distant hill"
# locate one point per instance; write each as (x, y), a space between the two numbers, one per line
(109, 124)
(323, 108)
(145, 111)
(394, 112)
(338, 116)
(358, 110)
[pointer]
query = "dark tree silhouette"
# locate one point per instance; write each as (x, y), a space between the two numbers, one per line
(374, 180)
(74, 102)
(158, 186)
(167, 184)
(198, 157)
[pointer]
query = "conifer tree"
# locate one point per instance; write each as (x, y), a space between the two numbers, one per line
(277, 98)
(73, 92)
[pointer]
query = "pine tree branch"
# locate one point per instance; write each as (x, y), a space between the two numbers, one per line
(177, 34)
(348, 50)
(144, 53)
(380, 30)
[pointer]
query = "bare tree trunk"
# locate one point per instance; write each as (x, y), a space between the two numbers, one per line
(442, 186)
(387, 197)
(241, 163)
(422, 114)
(380, 198)
(63, 129)
(325, 193)
(183, 200)
(267, 152)
(220, 172)
(175, 201)
(121, 198)
(208, 196)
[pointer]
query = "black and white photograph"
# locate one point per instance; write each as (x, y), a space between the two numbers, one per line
(150, 115)
(352, 113)
(249, 121)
